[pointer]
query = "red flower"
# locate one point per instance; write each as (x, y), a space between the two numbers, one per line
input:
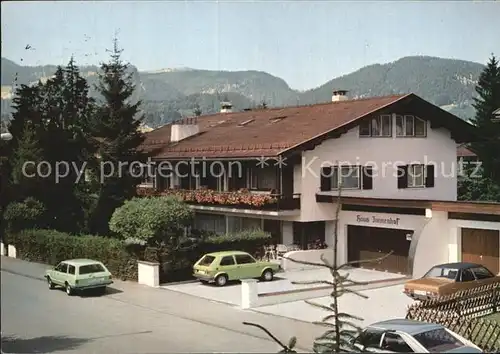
(207, 196)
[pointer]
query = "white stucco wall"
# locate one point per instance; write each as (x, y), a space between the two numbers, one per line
(434, 243)
(385, 154)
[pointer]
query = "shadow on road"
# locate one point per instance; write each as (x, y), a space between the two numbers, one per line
(47, 344)
(96, 293)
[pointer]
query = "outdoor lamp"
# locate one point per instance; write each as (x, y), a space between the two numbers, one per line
(6, 136)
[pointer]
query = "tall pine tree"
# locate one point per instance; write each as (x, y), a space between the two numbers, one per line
(488, 149)
(26, 125)
(116, 132)
(67, 109)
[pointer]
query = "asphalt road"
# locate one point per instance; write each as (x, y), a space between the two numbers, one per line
(38, 320)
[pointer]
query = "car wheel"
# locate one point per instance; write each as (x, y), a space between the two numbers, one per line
(50, 283)
(221, 280)
(69, 291)
(268, 275)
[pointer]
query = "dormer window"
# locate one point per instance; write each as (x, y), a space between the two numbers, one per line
(410, 126)
(380, 126)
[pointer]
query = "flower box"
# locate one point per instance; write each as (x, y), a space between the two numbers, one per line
(211, 197)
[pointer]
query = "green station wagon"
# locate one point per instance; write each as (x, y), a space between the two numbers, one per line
(221, 267)
(78, 275)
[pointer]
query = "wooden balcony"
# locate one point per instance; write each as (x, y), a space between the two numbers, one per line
(242, 199)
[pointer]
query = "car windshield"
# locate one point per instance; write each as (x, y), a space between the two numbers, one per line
(438, 340)
(206, 261)
(441, 272)
(91, 268)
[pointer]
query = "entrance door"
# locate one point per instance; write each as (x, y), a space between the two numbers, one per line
(365, 243)
(482, 247)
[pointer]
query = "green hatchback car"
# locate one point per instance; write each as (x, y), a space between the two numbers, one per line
(79, 275)
(221, 267)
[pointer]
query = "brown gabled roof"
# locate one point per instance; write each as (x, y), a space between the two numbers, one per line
(274, 131)
(464, 151)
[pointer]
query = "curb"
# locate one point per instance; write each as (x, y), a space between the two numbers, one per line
(373, 282)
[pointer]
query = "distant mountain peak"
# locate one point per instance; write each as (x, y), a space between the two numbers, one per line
(169, 70)
(169, 93)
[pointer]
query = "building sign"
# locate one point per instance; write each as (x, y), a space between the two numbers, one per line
(377, 220)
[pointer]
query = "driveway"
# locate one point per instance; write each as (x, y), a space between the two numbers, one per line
(231, 293)
(382, 304)
(130, 318)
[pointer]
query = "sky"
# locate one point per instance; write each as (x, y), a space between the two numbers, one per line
(306, 43)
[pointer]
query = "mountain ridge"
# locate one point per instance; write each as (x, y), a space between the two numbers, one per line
(171, 93)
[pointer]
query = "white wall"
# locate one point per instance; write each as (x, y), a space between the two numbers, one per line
(385, 153)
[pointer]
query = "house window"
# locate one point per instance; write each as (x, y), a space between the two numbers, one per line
(349, 177)
(346, 176)
(237, 223)
(409, 125)
(211, 222)
(262, 178)
(415, 176)
(378, 126)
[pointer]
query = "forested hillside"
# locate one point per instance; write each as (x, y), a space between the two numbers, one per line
(172, 93)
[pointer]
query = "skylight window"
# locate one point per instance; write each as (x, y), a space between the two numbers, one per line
(242, 124)
(277, 119)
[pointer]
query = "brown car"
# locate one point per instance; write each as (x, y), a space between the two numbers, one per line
(446, 279)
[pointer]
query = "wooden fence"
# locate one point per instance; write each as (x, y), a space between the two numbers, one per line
(462, 313)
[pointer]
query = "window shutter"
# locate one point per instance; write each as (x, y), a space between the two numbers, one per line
(429, 176)
(367, 177)
(402, 177)
(326, 179)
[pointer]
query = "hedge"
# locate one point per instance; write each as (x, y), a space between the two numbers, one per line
(52, 247)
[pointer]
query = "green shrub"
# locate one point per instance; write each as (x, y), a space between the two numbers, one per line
(151, 221)
(177, 264)
(52, 247)
(23, 215)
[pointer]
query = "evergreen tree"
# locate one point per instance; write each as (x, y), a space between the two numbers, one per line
(49, 124)
(115, 130)
(488, 148)
(26, 179)
(67, 109)
(26, 120)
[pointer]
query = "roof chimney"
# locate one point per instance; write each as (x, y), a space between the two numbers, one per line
(183, 129)
(339, 95)
(226, 107)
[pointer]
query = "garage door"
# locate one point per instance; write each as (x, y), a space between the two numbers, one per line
(483, 247)
(366, 243)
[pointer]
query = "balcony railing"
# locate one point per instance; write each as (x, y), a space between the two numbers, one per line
(242, 199)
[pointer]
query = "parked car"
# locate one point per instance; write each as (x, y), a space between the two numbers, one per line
(221, 267)
(79, 275)
(449, 278)
(409, 336)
